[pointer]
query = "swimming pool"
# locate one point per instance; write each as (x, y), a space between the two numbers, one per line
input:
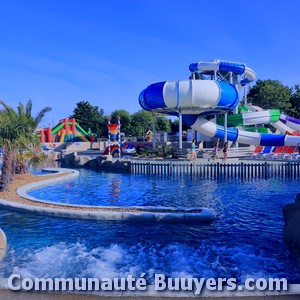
(246, 239)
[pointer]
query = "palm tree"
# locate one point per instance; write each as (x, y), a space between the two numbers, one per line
(16, 133)
(26, 112)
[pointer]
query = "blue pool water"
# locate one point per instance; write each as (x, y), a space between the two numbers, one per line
(246, 239)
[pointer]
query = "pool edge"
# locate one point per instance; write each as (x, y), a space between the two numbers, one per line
(108, 213)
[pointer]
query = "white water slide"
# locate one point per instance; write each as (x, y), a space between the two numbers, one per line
(212, 94)
(285, 123)
(261, 116)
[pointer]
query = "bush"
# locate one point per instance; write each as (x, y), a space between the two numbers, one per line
(165, 151)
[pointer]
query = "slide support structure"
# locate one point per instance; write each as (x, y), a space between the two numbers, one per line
(245, 95)
(225, 127)
(180, 130)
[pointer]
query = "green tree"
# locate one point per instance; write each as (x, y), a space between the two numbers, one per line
(295, 101)
(16, 133)
(89, 117)
(271, 94)
(141, 121)
(162, 124)
(125, 119)
(175, 126)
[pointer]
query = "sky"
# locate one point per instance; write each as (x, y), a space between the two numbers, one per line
(60, 52)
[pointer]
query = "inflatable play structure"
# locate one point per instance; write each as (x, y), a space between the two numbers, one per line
(204, 103)
(65, 131)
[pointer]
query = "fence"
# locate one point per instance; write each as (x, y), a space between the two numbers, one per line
(219, 170)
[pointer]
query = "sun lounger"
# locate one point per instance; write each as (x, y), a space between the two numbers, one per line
(294, 156)
(257, 150)
(268, 155)
(278, 151)
(289, 152)
(266, 150)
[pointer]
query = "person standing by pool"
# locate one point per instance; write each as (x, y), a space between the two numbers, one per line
(225, 147)
(193, 150)
(216, 150)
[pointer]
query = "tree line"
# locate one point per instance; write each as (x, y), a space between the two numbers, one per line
(273, 94)
(136, 124)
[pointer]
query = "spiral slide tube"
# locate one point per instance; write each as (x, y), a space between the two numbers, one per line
(251, 138)
(290, 122)
(197, 98)
(251, 118)
(259, 117)
(285, 124)
(226, 66)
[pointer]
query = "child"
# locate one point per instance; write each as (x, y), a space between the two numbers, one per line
(225, 147)
(216, 150)
(193, 151)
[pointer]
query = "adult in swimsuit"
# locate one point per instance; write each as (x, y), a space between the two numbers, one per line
(193, 151)
(225, 147)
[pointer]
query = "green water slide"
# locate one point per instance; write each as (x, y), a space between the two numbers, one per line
(59, 126)
(256, 129)
(251, 118)
(56, 128)
(81, 130)
(243, 108)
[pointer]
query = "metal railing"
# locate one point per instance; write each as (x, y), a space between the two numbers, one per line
(220, 170)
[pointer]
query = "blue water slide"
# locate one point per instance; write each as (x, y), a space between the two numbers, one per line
(189, 94)
(248, 75)
(197, 98)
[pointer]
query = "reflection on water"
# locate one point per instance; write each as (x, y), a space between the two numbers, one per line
(114, 183)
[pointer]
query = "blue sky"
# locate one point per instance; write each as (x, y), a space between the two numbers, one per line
(60, 52)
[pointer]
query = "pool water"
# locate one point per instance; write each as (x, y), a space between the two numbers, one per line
(245, 240)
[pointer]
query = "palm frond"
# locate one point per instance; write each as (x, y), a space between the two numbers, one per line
(41, 115)
(21, 110)
(28, 108)
(10, 112)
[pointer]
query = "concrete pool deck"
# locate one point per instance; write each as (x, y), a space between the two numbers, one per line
(17, 199)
